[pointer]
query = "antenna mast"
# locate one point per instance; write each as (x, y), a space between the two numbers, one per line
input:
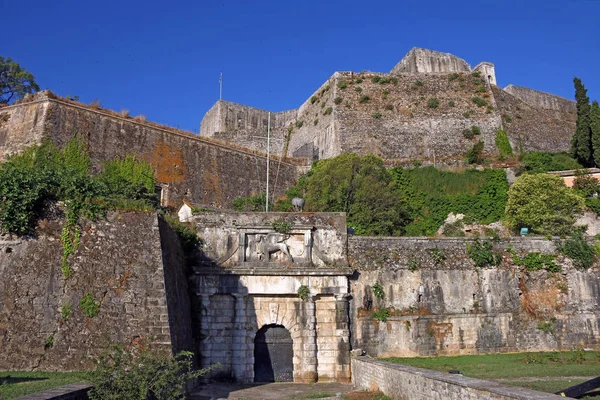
(268, 140)
(221, 86)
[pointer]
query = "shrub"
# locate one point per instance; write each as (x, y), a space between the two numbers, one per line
(394, 81)
(543, 162)
(418, 83)
(313, 99)
(358, 80)
(282, 226)
(375, 79)
(378, 291)
(476, 74)
(413, 265)
(536, 261)
(475, 153)
(451, 103)
(503, 144)
(579, 250)
(385, 92)
(466, 114)
(95, 103)
(338, 100)
(358, 89)
(542, 203)
(482, 253)
(546, 327)
(507, 118)
(140, 118)
(88, 305)
(454, 230)
(328, 111)
(479, 101)
(303, 292)
(316, 121)
(364, 99)
(437, 256)
(480, 89)
(257, 202)
(433, 102)
(146, 373)
(384, 81)
(453, 76)
(299, 124)
(377, 115)
(389, 107)
(65, 310)
(381, 315)
(586, 185)
(342, 85)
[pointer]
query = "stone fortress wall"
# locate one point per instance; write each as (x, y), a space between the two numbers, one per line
(203, 170)
(242, 281)
(440, 303)
(396, 122)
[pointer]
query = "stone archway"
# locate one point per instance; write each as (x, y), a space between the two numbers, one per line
(273, 354)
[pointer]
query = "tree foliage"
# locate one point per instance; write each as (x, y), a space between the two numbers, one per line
(537, 162)
(542, 203)
(15, 82)
(148, 374)
(359, 186)
(581, 143)
(595, 130)
(45, 172)
(431, 195)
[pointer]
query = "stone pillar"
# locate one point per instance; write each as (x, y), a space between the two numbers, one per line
(239, 345)
(205, 323)
(309, 358)
(342, 331)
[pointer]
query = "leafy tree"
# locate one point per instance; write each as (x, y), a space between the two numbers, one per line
(585, 184)
(542, 203)
(475, 153)
(581, 143)
(359, 186)
(595, 130)
(15, 82)
(537, 162)
(146, 374)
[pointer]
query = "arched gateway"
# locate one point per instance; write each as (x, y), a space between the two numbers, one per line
(273, 354)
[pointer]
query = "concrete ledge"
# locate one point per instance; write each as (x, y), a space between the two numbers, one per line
(401, 382)
(74, 391)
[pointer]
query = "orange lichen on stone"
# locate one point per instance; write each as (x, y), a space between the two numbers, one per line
(168, 164)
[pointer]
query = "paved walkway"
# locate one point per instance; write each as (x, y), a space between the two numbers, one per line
(271, 391)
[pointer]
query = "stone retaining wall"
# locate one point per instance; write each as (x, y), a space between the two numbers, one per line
(74, 391)
(401, 382)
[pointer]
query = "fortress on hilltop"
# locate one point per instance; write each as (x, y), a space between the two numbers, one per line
(417, 111)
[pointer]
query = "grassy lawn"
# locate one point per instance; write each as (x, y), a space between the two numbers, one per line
(15, 384)
(491, 366)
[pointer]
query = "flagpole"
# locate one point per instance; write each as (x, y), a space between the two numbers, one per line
(268, 139)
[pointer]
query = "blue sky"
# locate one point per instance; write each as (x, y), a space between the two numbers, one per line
(163, 59)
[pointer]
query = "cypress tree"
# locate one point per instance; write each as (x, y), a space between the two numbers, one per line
(595, 129)
(581, 144)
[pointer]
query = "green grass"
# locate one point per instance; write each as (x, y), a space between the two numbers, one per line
(547, 386)
(15, 384)
(493, 366)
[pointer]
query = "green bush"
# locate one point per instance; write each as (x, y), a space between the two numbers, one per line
(257, 202)
(375, 79)
(316, 121)
(538, 162)
(378, 291)
(381, 315)
(313, 99)
(338, 100)
(88, 305)
(328, 111)
(377, 115)
(476, 74)
(303, 292)
(46, 172)
(536, 261)
(146, 373)
(299, 124)
(453, 76)
(479, 101)
(358, 80)
(482, 253)
(364, 99)
(451, 103)
(542, 203)
(418, 83)
(389, 107)
(475, 153)
(503, 144)
(342, 85)
(431, 194)
(579, 250)
(433, 102)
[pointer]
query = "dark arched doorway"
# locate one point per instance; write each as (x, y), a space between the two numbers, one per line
(273, 355)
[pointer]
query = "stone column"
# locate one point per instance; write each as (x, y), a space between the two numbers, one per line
(239, 345)
(205, 323)
(342, 331)
(309, 360)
